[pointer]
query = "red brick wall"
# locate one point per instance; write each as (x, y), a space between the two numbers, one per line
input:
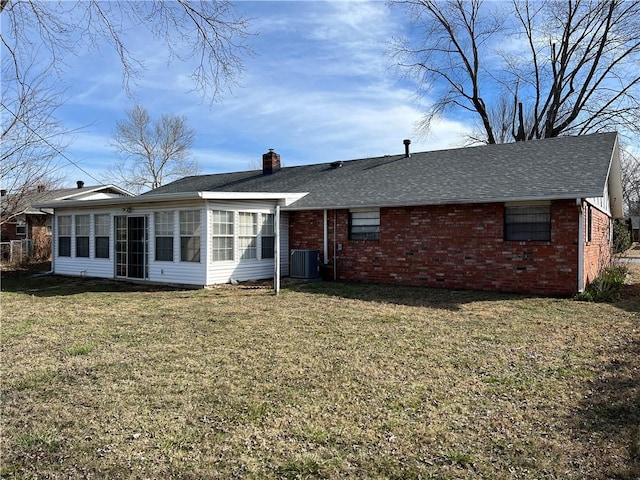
(454, 246)
(597, 252)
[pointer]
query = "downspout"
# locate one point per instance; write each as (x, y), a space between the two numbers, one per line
(335, 254)
(580, 246)
(276, 273)
(326, 238)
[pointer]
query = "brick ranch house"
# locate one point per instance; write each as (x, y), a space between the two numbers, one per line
(531, 217)
(22, 221)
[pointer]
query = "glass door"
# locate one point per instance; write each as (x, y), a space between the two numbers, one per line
(131, 247)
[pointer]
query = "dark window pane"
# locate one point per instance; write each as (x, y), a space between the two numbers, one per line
(64, 246)
(190, 249)
(102, 247)
(268, 245)
(82, 246)
(164, 249)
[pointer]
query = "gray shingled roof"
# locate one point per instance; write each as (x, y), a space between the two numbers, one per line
(563, 167)
(26, 202)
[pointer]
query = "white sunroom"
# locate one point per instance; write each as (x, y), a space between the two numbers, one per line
(193, 238)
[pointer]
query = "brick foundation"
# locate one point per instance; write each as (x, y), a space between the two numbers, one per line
(455, 246)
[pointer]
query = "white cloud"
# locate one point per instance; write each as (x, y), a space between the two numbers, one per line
(318, 90)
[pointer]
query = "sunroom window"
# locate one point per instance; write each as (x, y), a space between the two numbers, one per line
(163, 225)
(102, 224)
(267, 234)
(190, 235)
(83, 230)
(222, 238)
(64, 236)
(247, 235)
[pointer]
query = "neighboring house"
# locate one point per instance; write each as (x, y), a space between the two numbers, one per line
(24, 222)
(532, 217)
(635, 228)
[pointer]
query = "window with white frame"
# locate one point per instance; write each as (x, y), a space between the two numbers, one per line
(267, 236)
(247, 235)
(364, 224)
(64, 236)
(527, 223)
(83, 230)
(190, 236)
(163, 224)
(222, 236)
(102, 224)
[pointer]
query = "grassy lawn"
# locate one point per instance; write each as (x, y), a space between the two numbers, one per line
(111, 380)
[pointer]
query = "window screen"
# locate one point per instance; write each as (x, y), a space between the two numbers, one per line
(163, 224)
(527, 223)
(267, 236)
(364, 225)
(83, 227)
(64, 236)
(222, 238)
(190, 236)
(102, 224)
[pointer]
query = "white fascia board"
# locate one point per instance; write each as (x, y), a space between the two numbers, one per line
(286, 198)
(85, 191)
(614, 183)
(533, 199)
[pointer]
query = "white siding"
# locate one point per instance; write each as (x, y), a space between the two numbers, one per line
(240, 270)
(205, 272)
(83, 266)
(602, 203)
(176, 271)
(96, 196)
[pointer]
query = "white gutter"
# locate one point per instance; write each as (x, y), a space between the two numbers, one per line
(433, 202)
(276, 273)
(287, 197)
(580, 246)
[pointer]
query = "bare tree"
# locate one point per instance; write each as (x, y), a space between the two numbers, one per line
(38, 37)
(30, 142)
(152, 152)
(630, 172)
(568, 67)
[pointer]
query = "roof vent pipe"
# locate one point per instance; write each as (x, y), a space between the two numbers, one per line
(406, 142)
(80, 184)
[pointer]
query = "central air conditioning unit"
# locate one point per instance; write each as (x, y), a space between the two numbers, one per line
(304, 264)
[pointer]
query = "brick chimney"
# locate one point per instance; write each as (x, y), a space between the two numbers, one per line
(80, 184)
(270, 162)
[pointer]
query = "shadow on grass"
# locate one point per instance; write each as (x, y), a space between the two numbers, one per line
(403, 295)
(57, 285)
(609, 418)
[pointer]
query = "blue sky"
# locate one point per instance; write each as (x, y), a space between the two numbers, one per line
(319, 88)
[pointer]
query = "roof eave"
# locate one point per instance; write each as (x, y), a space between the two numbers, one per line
(286, 198)
(568, 196)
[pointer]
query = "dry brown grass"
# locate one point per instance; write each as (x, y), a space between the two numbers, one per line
(108, 380)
